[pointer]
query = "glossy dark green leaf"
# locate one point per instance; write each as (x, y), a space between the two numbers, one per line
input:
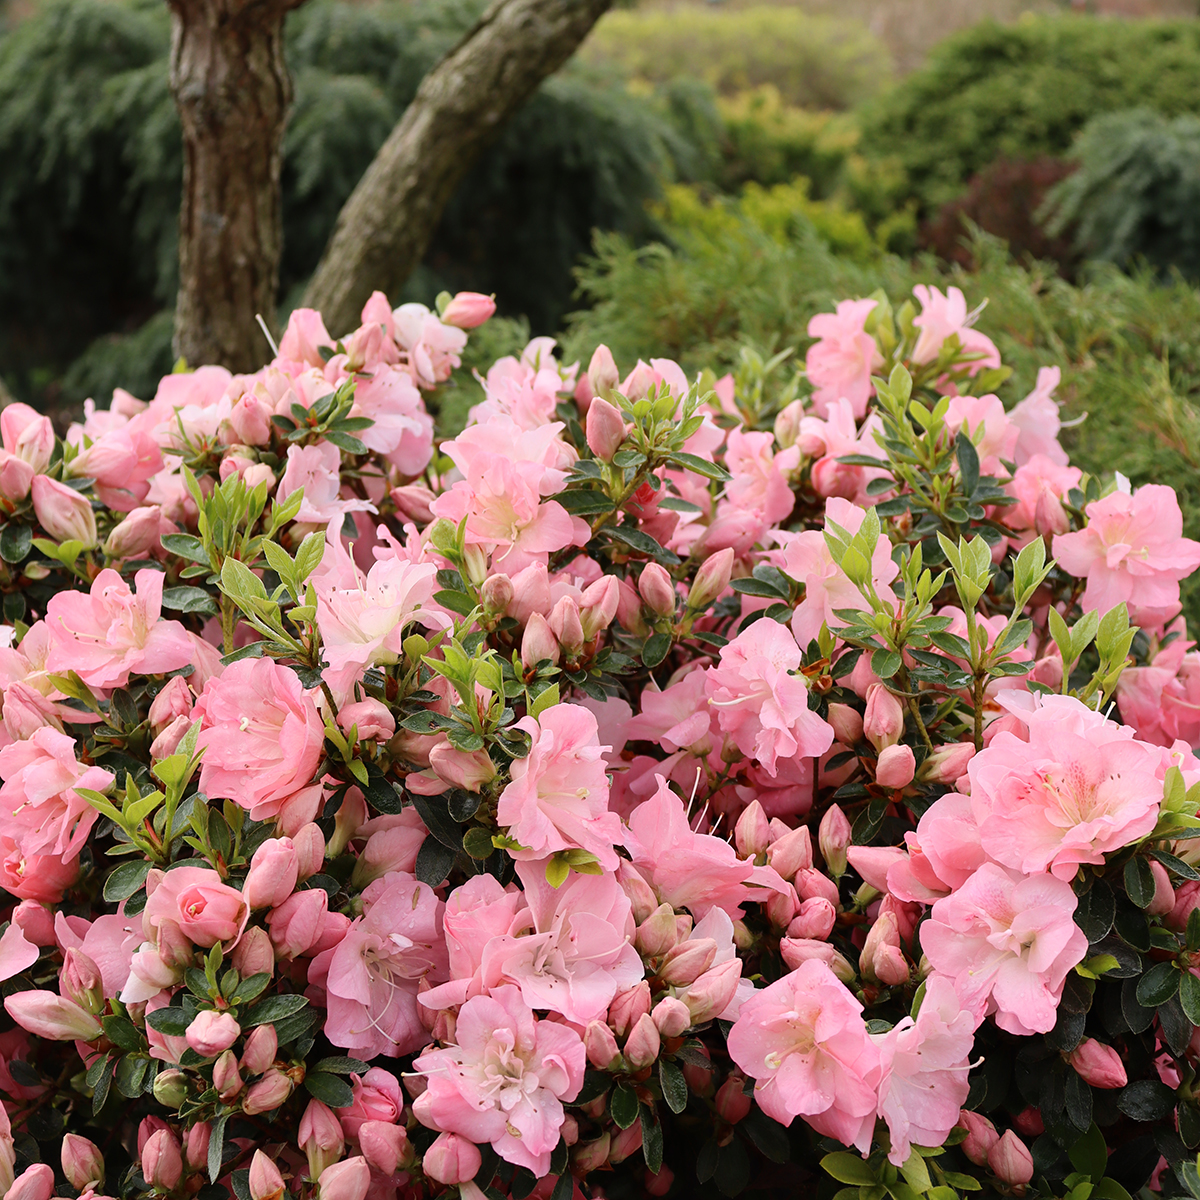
(271, 1009)
(623, 1105)
(674, 1085)
(1139, 882)
(125, 880)
(329, 1089)
(15, 543)
(1158, 985)
(434, 862)
(657, 647)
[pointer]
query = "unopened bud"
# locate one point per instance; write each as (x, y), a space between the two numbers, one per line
(688, 961)
(266, 1183)
(846, 723)
(346, 1180)
(656, 934)
(538, 643)
(253, 955)
(268, 1093)
(226, 1079)
(752, 832)
(731, 1100)
(1098, 1064)
(896, 767)
(162, 1164)
(261, 1047)
(672, 1017)
(711, 579)
(601, 1046)
(451, 1159)
(82, 1162)
(170, 1088)
(981, 1136)
(713, 992)
(320, 1137)
(602, 371)
(833, 838)
(643, 1043)
(657, 590)
(1011, 1161)
(627, 1007)
(883, 721)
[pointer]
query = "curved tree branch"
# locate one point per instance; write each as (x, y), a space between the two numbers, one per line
(384, 228)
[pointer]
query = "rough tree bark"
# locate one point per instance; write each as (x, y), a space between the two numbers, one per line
(384, 228)
(233, 91)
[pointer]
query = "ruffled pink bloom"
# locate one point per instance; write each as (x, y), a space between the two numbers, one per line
(836, 437)
(804, 1043)
(206, 910)
(1162, 700)
(377, 1097)
(403, 430)
(925, 1065)
(945, 316)
(429, 349)
(505, 1080)
(677, 717)
(316, 470)
(371, 977)
(122, 462)
(984, 421)
(760, 483)
(513, 389)
(111, 633)
(1133, 551)
(109, 941)
(691, 870)
(303, 338)
(261, 735)
(1071, 788)
(573, 951)
(42, 811)
(1039, 481)
(806, 559)
(43, 877)
(943, 852)
(558, 796)
(761, 705)
(1038, 421)
(840, 364)
(1007, 941)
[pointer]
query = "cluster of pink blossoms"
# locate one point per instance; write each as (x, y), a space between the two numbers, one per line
(600, 788)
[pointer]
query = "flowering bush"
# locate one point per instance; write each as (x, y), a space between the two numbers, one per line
(663, 786)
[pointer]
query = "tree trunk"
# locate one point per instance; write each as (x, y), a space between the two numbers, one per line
(233, 92)
(384, 228)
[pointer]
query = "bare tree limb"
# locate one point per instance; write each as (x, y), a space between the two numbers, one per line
(384, 228)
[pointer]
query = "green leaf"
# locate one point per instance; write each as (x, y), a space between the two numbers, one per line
(885, 663)
(623, 1105)
(1158, 985)
(438, 820)
(673, 1084)
(1139, 882)
(341, 1064)
(189, 600)
(557, 870)
(123, 1034)
(251, 988)
(186, 546)
(103, 1083)
(15, 543)
(848, 1168)
(434, 862)
(652, 1141)
(692, 462)
(643, 543)
(477, 842)
(585, 503)
(125, 880)
(768, 1135)
(329, 1089)
(345, 441)
(1189, 996)
(656, 648)
(968, 463)
(270, 1010)
(172, 1021)
(216, 1148)
(458, 602)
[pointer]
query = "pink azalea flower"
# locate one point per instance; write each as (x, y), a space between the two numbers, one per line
(403, 430)
(1038, 421)
(943, 853)
(1073, 788)
(261, 736)
(761, 705)
(840, 364)
(111, 633)
(677, 717)
(43, 877)
(835, 437)
(1007, 941)
(945, 316)
(558, 796)
(984, 421)
(1133, 551)
(42, 811)
(803, 1041)
(1162, 700)
(430, 350)
(109, 941)
(574, 950)
(513, 389)
(316, 470)
(925, 1065)
(760, 482)
(691, 870)
(377, 1097)
(1039, 481)
(205, 909)
(505, 1079)
(806, 559)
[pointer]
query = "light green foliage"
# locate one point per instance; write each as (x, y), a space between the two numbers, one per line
(1025, 90)
(1136, 193)
(814, 61)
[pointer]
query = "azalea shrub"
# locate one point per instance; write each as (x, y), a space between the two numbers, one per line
(781, 782)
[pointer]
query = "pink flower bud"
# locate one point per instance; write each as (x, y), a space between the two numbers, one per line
(846, 723)
(641, 894)
(591, 1156)
(266, 1183)
(881, 959)
(268, 1093)
(1029, 1121)
(566, 625)
(896, 767)
(815, 919)
(1098, 1064)
(467, 311)
(34, 1183)
(625, 1143)
(320, 1137)
(711, 579)
(981, 1136)
(688, 961)
(451, 1159)
(752, 833)
(469, 771)
(16, 478)
(261, 1048)
(81, 981)
(1011, 1161)
(296, 924)
(602, 371)
(82, 1162)
(51, 1016)
(254, 955)
(412, 503)
(28, 435)
(538, 643)
(656, 934)
(168, 741)
(250, 420)
(384, 1145)
(833, 838)
(272, 875)
(36, 922)
(947, 764)
(643, 1043)
(212, 1032)
(1049, 516)
(671, 1017)
(63, 513)
(309, 842)
(346, 1180)
(883, 721)
(1164, 893)
(731, 1100)
(174, 700)
(660, 1184)
(497, 593)
(605, 429)
(810, 882)
(162, 1164)
(370, 718)
(598, 606)
(135, 537)
(626, 1008)
(198, 1138)
(601, 1046)
(657, 589)
(226, 1079)
(713, 992)
(791, 853)
(781, 908)
(629, 609)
